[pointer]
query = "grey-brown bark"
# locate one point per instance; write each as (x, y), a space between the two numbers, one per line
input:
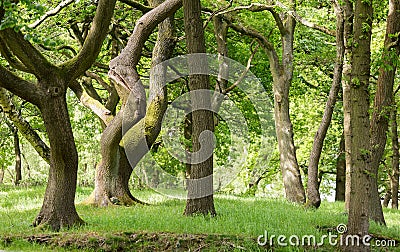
(49, 94)
(282, 74)
(313, 195)
(348, 36)
(356, 102)
(394, 178)
(340, 188)
(382, 103)
(114, 171)
(200, 195)
(18, 161)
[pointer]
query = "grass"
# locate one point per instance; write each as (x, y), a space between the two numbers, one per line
(239, 222)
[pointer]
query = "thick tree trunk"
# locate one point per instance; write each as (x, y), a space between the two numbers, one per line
(394, 178)
(58, 209)
(313, 196)
(200, 195)
(382, 102)
(17, 153)
(341, 173)
(115, 169)
(356, 102)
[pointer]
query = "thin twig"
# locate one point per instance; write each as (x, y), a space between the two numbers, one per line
(50, 13)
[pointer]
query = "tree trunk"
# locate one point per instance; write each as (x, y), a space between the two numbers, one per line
(1, 175)
(386, 199)
(382, 103)
(313, 195)
(341, 173)
(394, 178)
(348, 35)
(58, 209)
(200, 186)
(17, 152)
(356, 102)
(120, 154)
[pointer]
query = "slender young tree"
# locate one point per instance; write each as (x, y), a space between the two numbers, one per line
(313, 195)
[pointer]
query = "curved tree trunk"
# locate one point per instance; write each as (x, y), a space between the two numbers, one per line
(114, 171)
(313, 195)
(58, 209)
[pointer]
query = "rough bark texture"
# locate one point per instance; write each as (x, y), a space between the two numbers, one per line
(382, 103)
(341, 173)
(202, 120)
(58, 209)
(394, 178)
(356, 101)
(115, 169)
(49, 94)
(313, 195)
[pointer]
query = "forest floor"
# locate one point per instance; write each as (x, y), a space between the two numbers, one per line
(240, 223)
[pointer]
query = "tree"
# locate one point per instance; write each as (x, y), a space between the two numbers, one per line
(49, 95)
(122, 149)
(356, 106)
(313, 195)
(382, 102)
(282, 75)
(200, 186)
(394, 177)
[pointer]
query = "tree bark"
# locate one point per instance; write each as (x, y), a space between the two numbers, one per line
(348, 35)
(200, 195)
(121, 153)
(382, 103)
(17, 153)
(58, 209)
(394, 178)
(356, 101)
(341, 173)
(313, 195)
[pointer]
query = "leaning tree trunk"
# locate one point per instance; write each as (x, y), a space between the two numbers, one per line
(284, 129)
(394, 178)
(313, 195)
(200, 186)
(356, 102)
(58, 209)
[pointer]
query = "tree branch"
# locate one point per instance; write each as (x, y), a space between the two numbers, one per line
(23, 126)
(12, 60)
(243, 75)
(22, 88)
(104, 114)
(50, 13)
(26, 53)
(141, 7)
(93, 42)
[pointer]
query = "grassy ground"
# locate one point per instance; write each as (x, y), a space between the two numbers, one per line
(161, 226)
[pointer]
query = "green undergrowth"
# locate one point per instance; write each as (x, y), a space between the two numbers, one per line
(161, 226)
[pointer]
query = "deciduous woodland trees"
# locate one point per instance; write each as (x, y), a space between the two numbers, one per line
(301, 63)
